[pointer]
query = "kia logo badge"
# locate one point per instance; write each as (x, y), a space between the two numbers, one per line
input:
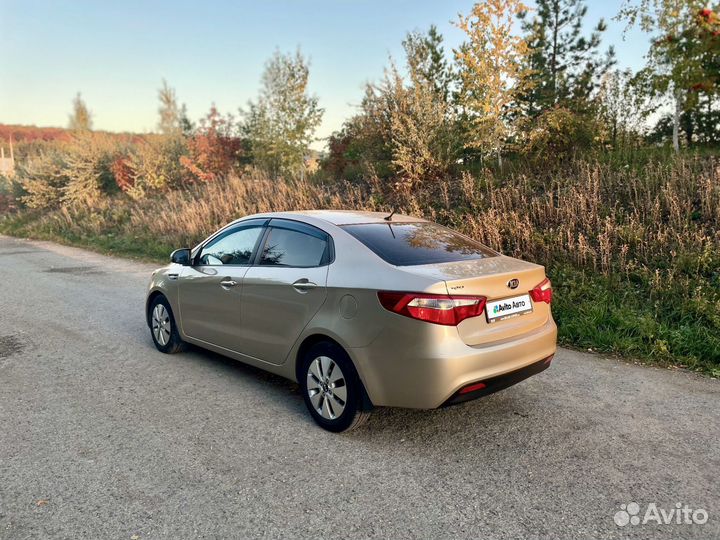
(513, 283)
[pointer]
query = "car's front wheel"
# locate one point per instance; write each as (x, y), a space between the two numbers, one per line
(164, 331)
(331, 388)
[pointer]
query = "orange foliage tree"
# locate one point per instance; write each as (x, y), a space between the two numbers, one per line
(214, 150)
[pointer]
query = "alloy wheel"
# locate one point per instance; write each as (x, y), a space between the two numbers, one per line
(326, 387)
(161, 325)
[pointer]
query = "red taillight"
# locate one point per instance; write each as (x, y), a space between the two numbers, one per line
(433, 308)
(542, 292)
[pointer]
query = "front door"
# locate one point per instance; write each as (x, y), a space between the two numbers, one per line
(210, 291)
(284, 290)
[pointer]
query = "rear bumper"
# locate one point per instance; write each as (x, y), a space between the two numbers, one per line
(501, 382)
(429, 370)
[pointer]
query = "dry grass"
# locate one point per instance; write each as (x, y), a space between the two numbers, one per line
(195, 213)
(593, 217)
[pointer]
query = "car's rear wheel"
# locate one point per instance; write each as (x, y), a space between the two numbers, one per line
(331, 388)
(163, 328)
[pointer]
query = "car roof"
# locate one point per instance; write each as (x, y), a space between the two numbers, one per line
(346, 217)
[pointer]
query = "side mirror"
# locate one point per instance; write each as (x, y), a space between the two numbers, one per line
(181, 256)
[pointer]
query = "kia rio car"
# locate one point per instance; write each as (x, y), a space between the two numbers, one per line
(361, 309)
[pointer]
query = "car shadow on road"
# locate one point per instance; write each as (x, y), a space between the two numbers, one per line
(278, 388)
(521, 404)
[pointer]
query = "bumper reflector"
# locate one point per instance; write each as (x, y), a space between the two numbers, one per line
(472, 388)
(500, 382)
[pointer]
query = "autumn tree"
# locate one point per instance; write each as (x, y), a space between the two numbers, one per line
(215, 147)
(81, 117)
(419, 128)
(493, 74)
(407, 123)
(168, 110)
(683, 58)
(424, 129)
(281, 124)
(362, 148)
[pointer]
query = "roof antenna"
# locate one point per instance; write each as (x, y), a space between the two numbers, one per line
(389, 218)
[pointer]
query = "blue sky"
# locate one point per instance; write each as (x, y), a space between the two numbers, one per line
(117, 53)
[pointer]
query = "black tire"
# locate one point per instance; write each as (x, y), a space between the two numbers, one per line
(355, 410)
(173, 344)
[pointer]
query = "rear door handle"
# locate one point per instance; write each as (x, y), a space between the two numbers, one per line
(304, 285)
(228, 283)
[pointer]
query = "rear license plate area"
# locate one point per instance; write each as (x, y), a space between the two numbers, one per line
(505, 308)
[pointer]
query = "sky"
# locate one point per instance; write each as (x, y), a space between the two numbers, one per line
(117, 53)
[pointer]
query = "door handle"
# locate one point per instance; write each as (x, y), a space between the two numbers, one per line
(228, 283)
(304, 285)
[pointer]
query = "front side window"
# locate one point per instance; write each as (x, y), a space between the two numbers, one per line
(408, 244)
(285, 247)
(234, 247)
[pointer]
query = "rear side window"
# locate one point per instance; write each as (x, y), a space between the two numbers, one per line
(285, 247)
(410, 244)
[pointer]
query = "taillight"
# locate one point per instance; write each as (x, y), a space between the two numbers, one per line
(433, 308)
(542, 292)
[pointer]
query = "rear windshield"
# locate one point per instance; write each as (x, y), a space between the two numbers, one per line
(409, 244)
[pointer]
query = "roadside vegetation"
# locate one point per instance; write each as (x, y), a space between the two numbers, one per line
(534, 144)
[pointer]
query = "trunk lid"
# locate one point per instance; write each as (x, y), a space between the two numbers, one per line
(490, 277)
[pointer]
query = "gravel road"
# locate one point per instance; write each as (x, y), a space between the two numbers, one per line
(101, 436)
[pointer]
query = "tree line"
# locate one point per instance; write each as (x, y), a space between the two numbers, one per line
(546, 95)
(550, 93)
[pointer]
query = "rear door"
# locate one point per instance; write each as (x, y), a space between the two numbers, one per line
(210, 290)
(284, 289)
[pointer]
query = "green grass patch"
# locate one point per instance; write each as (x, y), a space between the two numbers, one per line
(626, 317)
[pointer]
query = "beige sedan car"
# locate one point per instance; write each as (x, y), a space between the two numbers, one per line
(361, 309)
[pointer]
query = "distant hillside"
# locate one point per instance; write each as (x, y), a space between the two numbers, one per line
(32, 133)
(21, 134)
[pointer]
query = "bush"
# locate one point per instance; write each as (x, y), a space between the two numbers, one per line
(558, 135)
(152, 165)
(74, 172)
(88, 169)
(43, 178)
